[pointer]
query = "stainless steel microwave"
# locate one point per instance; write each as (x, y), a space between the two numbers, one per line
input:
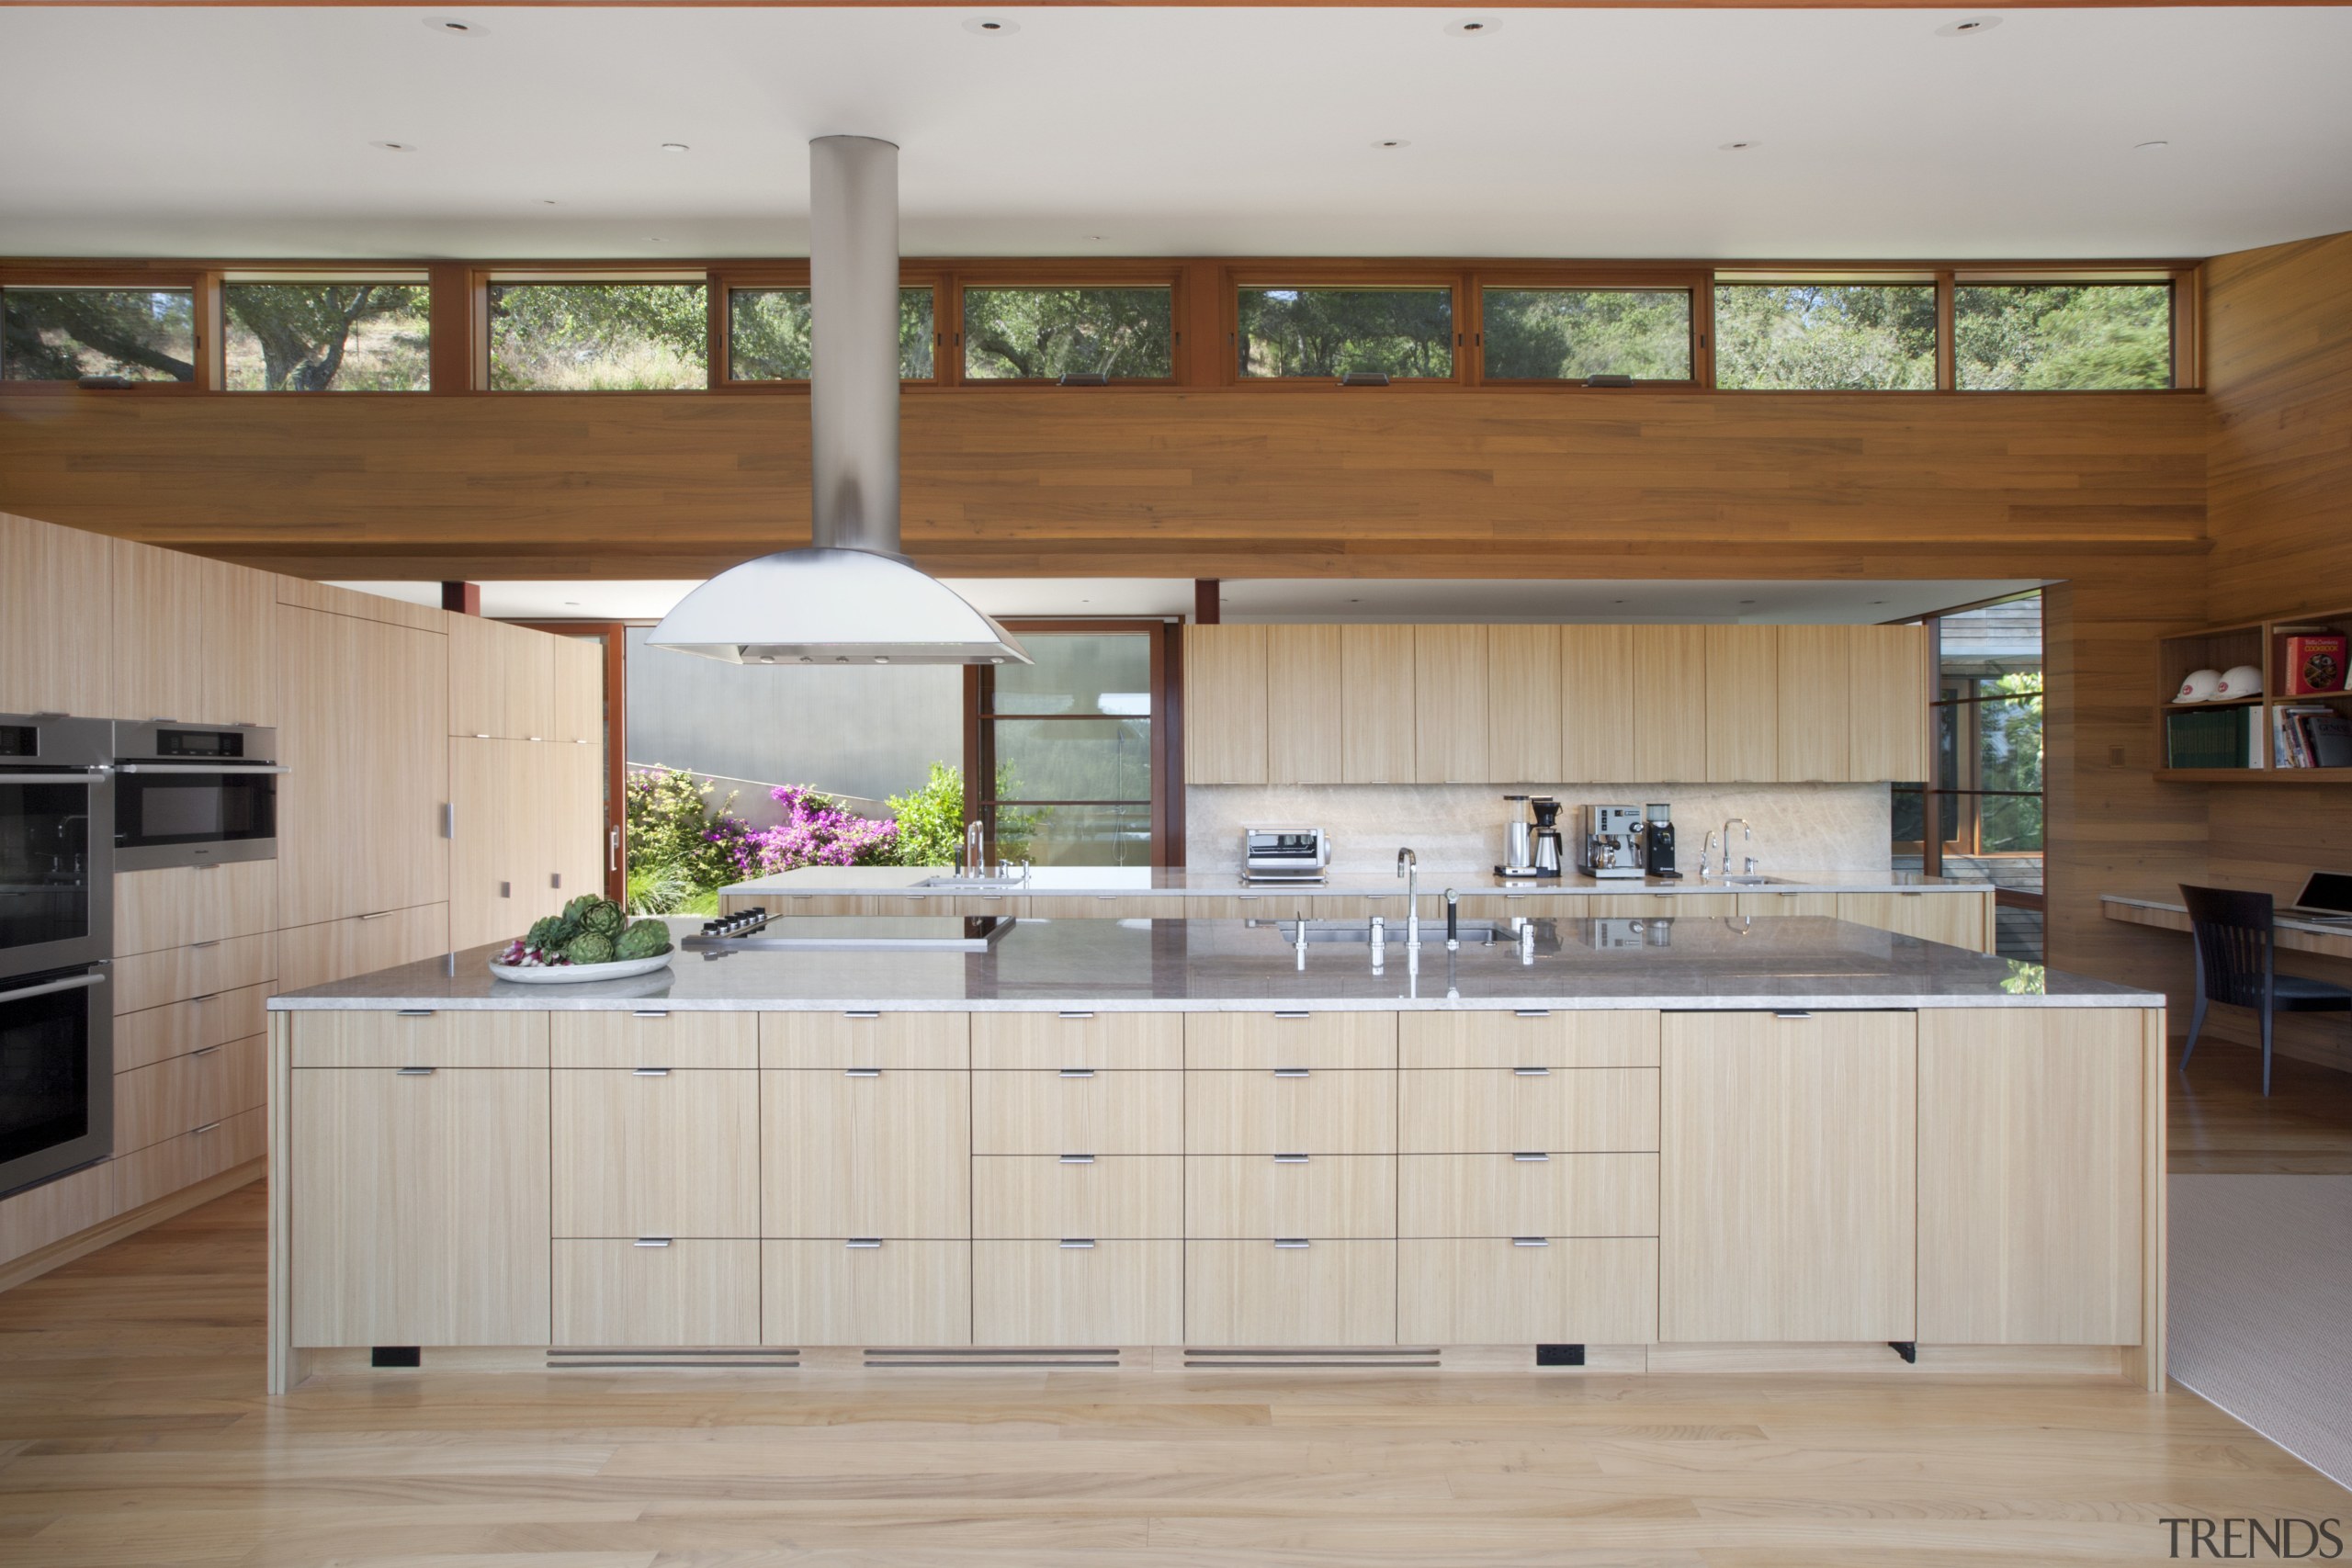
(194, 794)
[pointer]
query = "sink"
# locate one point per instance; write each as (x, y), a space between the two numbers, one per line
(969, 883)
(1752, 881)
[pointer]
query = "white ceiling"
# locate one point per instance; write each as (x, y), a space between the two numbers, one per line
(1321, 599)
(1575, 133)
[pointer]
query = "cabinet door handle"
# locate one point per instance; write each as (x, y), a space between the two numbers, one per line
(1075, 1073)
(650, 1072)
(200, 946)
(1291, 1159)
(1531, 1158)
(650, 1012)
(861, 1015)
(1079, 1015)
(1078, 1244)
(1793, 1015)
(414, 1013)
(1293, 1242)
(653, 1241)
(206, 997)
(1078, 1159)
(1294, 1072)
(1297, 1013)
(1531, 1072)
(863, 1243)
(199, 1132)
(1528, 1012)
(207, 1050)
(861, 1072)
(1530, 1241)
(414, 1072)
(380, 915)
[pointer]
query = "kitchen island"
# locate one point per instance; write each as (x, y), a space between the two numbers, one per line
(1648, 1143)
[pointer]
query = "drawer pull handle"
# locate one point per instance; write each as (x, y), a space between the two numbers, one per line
(1075, 1073)
(199, 1131)
(414, 1013)
(1294, 1072)
(863, 1243)
(653, 1241)
(200, 946)
(1291, 1159)
(380, 915)
(1530, 1012)
(1531, 1158)
(1079, 1015)
(650, 1072)
(861, 1072)
(1293, 1242)
(205, 1050)
(1078, 1244)
(413, 1072)
(650, 1012)
(1078, 1159)
(1297, 1014)
(861, 1015)
(1531, 1072)
(206, 997)
(1793, 1015)
(1530, 1241)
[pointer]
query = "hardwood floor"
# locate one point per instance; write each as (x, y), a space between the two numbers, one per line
(2222, 1125)
(133, 1432)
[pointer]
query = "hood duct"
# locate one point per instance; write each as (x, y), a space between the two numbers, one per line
(851, 597)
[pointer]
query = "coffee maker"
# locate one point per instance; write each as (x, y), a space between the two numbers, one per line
(1546, 847)
(1613, 841)
(1531, 850)
(1657, 840)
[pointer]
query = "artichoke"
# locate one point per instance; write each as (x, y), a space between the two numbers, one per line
(590, 947)
(643, 939)
(576, 912)
(551, 934)
(603, 918)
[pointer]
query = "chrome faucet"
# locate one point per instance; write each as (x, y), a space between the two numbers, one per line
(976, 848)
(1409, 867)
(1747, 835)
(1706, 850)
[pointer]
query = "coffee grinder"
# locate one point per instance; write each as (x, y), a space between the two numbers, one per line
(1657, 832)
(1518, 855)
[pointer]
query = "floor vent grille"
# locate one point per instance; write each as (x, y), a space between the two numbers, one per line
(1355, 1357)
(950, 1355)
(607, 1358)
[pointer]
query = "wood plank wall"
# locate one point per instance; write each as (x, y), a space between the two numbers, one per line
(2278, 358)
(2106, 492)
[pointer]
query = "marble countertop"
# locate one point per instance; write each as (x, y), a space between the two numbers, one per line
(1079, 882)
(1582, 962)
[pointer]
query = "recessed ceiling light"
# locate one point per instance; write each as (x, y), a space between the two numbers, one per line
(1736, 146)
(676, 147)
(546, 201)
(1390, 144)
(2149, 146)
(456, 26)
(1968, 27)
(653, 239)
(991, 26)
(571, 603)
(1472, 26)
(395, 146)
(1878, 600)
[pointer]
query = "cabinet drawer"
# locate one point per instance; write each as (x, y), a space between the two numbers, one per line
(654, 1039)
(361, 944)
(1016, 1039)
(674, 1155)
(49, 1212)
(143, 1039)
(1347, 1113)
(1045, 1198)
(1534, 1039)
(1268, 1039)
(847, 1154)
(1254, 1293)
(174, 906)
(420, 1039)
(147, 980)
(161, 1169)
(186, 1093)
(1106, 1293)
(899, 1293)
(689, 1293)
(1259, 1197)
(1544, 1194)
(1052, 1113)
(1503, 1110)
(1498, 1291)
(836, 1040)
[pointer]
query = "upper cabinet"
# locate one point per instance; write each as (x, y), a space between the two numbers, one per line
(57, 647)
(578, 704)
(194, 638)
(502, 681)
(1541, 705)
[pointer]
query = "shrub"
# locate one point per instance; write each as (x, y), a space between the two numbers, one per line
(930, 819)
(816, 831)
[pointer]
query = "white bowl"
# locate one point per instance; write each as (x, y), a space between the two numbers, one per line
(576, 974)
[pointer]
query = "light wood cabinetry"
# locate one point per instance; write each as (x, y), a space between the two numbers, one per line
(1225, 705)
(159, 1033)
(1077, 1111)
(2030, 1177)
(1960, 920)
(1512, 1291)
(1890, 684)
(182, 973)
(656, 1153)
(1743, 681)
(576, 702)
(203, 1088)
(1047, 1197)
(1377, 704)
(197, 1155)
(53, 1211)
(1667, 698)
(1265, 1292)
(1600, 671)
(1011, 1040)
(652, 1038)
(571, 825)
(1303, 713)
(1788, 1180)
(1450, 714)
(57, 647)
(239, 644)
(1077, 1292)
(1533, 1037)
(336, 950)
(1815, 666)
(1526, 703)
(181, 906)
(1514, 1110)
(865, 1153)
(1268, 1041)
(890, 1293)
(688, 1293)
(842, 1040)
(502, 681)
(424, 1211)
(421, 1038)
(1529, 1193)
(1292, 1111)
(1262, 1196)
(193, 639)
(526, 833)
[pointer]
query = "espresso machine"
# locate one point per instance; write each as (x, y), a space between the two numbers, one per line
(1657, 842)
(1613, 841)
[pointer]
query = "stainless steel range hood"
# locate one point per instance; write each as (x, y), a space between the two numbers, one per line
(849, 598)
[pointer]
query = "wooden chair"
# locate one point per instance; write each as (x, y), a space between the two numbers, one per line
(2238, 952)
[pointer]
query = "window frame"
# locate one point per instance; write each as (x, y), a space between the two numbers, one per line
(483, 279)
(724, 280)
(2186, 323)
(1883, 276)
(221, 281)
(1363, 275)
(1109, 273)
(1698, 282)
(156, 277)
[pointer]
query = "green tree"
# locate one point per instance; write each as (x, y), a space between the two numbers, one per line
(1572, 334)
(304, 329)
(62, 334)
(2010, 757)
(1043, 333)
(598, 336)
(1329, 332)
(2025, 337)
(1826, 335)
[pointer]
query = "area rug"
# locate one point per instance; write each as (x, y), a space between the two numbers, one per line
(2261, 1307)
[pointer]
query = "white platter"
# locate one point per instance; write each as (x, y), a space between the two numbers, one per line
(579, 974)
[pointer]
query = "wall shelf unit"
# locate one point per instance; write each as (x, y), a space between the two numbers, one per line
(2265, 644)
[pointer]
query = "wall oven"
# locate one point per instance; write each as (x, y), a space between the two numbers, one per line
(56, 1073)
(186, 794)
(56, 842)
